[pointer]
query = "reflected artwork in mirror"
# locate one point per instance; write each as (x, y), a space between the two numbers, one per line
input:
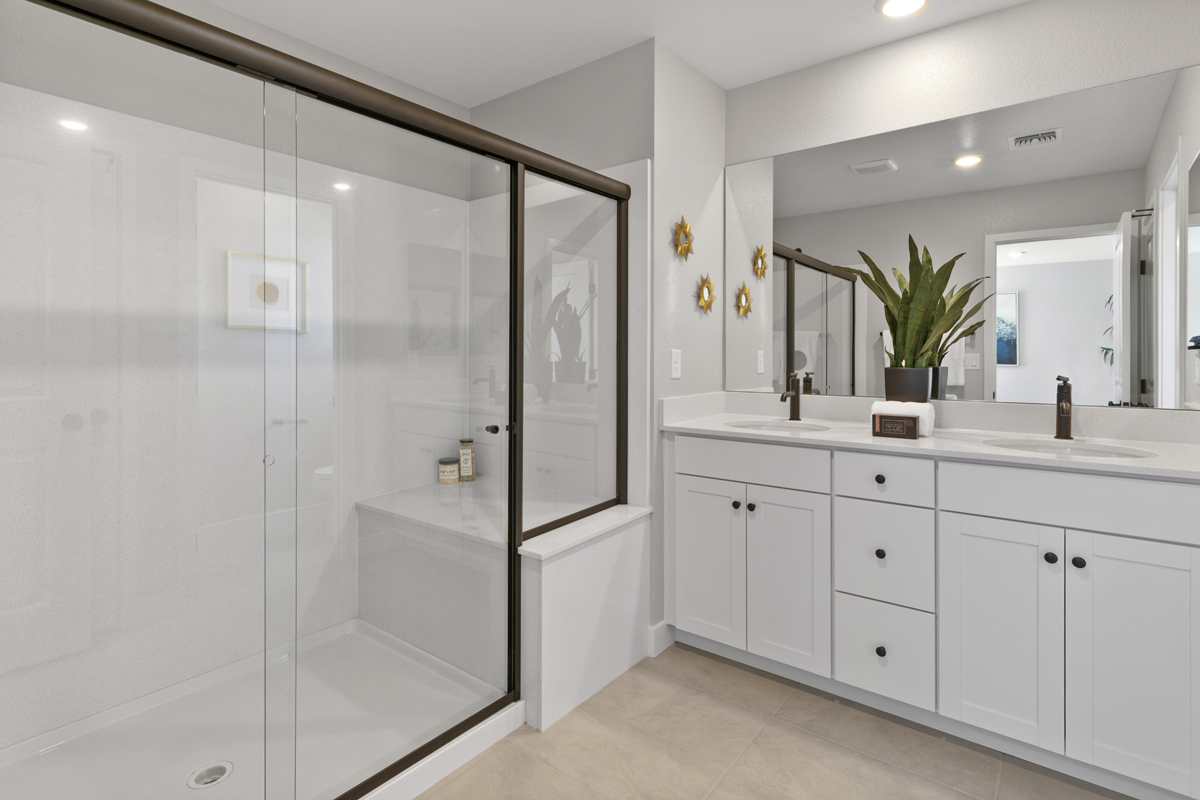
(1081, 218)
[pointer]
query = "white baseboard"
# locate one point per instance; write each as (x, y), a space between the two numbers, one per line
(1027, 752)
(437, 765)
(661, 636)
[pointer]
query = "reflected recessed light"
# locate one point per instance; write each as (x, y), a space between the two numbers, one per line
(899, 8)
(1016, 254)
(72, 125)
(342, 187)
(968, 161)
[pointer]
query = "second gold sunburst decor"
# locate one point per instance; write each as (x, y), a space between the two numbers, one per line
(705, 294)
(742, 302)
(683, 238)
(760, 262)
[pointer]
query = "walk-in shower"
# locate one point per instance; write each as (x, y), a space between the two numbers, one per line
(241, 320)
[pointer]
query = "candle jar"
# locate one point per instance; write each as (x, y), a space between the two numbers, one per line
(448, 470)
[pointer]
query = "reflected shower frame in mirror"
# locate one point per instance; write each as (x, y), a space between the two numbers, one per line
(1114, 160)
(795, 259)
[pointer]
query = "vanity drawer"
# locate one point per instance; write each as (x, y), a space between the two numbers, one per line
(905, 575)
(905, 480)
(906, 671)
(800, 468)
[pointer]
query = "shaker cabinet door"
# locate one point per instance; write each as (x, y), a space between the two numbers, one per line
(788, 577)
(710, 559)
(1000, 627)
(1133, 658)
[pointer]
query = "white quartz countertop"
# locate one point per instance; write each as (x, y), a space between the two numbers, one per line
(1172, 461)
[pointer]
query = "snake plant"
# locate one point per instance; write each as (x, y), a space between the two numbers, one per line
(924, 318)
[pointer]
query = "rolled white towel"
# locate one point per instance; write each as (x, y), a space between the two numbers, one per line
(924, 412)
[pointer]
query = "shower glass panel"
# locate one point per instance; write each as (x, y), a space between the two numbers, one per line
(810, 318)
(240, 328)
(570, 437)
(822, 315)
(132, 484)
(839, 339)
(402, 582)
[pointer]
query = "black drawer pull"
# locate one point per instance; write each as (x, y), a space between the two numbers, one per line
(881, 651)
(881, 553)
(880, 479)
(737, 504)
(749, 506)
(1050, 558)
(1078, 562)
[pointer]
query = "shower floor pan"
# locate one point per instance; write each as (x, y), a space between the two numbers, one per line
(359, 700)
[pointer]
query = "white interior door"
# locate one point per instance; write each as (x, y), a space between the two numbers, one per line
(788, 577)
(1000, 627)
(1133, 644)
(710, 558)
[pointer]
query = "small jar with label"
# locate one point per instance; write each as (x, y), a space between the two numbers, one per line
(466, 459)
(448, 470)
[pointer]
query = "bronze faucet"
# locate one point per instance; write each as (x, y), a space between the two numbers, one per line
(1062, 412)
(793, 394)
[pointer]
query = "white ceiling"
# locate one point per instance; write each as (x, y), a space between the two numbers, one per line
(1056, 251)
(471, 51)
(1106, 129)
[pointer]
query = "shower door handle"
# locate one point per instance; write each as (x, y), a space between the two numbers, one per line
(492, 429)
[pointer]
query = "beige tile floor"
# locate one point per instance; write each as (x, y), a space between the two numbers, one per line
(687, 726)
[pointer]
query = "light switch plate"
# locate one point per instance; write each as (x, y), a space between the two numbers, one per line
(971, 361)
(676, 364)
(760, 362)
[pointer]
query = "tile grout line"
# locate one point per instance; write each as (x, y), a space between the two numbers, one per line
(999, 777)
(738, 757)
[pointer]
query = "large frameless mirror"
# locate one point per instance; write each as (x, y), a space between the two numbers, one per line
(1077, 211)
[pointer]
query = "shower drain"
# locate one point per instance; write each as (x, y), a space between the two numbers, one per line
(210, 774)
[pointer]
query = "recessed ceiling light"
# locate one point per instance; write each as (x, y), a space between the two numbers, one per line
(342, 187)
(968, 161)
(72, 125)
(1016, 254)
(899, 8)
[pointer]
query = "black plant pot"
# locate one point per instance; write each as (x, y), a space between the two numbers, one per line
(938, 390)
(907, 384)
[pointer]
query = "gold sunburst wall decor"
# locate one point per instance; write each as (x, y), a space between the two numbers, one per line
(706, 294)
(760, 262)
(743, 300)
(683, 238)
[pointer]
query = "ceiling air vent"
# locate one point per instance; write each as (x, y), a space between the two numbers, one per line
(874, 167)
(1035, 139)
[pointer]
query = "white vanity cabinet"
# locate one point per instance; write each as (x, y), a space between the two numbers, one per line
(752, 561)
(1080, 642)
(1133, 658)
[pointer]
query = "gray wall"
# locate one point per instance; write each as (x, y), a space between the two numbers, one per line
(1038, 49)
(599, 115)
(950, 225)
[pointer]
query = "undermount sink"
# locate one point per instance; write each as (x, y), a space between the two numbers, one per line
(779, 426)
(1070, 449)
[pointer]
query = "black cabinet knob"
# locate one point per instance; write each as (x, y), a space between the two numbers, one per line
(737, 503)
(881, 553)
(1078, 562)
(881, 651)
(749, 506)
(880, 479)
(492, 429)
(1050, 558)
